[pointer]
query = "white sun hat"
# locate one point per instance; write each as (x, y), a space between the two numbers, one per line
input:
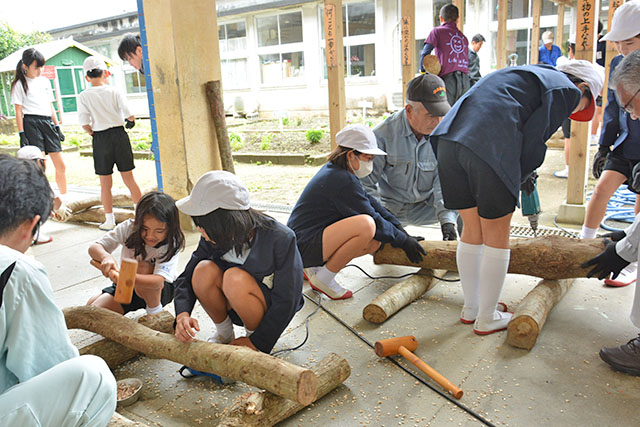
(360, 138)
(215, 190)
(625, 23)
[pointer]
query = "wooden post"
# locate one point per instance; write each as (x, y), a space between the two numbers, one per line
(536, 9)
(460, 4)
(258, 409)
(239, 363)
(335, 67)
(611, 51)
(501, 42)
(547, 257)
(532, 312)
(400, 295)
(408, 44)
(560, 26)
(216, 105)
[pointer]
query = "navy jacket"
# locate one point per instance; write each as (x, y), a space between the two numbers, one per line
(507, 117)
(618, 128)
(274, 251)
(334, 194)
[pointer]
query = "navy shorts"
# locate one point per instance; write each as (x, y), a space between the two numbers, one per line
(136, 302)
(566, 128)
(112, 146)
(468, 181)
(311, 251)
(40, 132)
(618, 163)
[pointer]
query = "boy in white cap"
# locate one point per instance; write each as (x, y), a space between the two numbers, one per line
(246, 269)
(102, 109)
(335, 220)
(619, 149)
(485, 160)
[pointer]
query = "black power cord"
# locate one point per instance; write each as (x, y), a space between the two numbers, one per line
(417, 273)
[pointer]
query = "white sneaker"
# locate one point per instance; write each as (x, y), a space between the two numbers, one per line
(107, 226)
(564, 173)
(218, 339)
(594, 140)
(333, 290)
(627, 276)
(469, 314)
(498, 323)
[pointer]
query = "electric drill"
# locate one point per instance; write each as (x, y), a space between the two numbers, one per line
(530, 206)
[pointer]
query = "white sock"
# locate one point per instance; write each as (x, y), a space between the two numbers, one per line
(225, 328)
(468, 258)
(493, 271)
(110, 218)
(325, 275)
(154, 310)
(588, 233)
(248, 331)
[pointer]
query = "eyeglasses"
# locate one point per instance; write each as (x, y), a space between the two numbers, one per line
(626, 107)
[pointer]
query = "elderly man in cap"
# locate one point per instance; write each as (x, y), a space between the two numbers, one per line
(616, 256)
(406, 180)
(483, 159)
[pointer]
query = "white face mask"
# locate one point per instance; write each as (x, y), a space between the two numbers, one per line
(366, 167)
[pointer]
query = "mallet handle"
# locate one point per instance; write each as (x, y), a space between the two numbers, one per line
(432, 373)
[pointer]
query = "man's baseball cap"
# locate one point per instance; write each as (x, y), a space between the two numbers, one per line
(93, 63)
(624, 24)
(430, 91)
(360, 138)
(215, 190)
(30, 152)
(547, 37)
(593, 76)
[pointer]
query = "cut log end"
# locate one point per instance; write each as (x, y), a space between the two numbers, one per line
(522, 332)
(307, 387)
(374, 314)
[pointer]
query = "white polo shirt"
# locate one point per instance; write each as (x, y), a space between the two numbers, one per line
(102, 107)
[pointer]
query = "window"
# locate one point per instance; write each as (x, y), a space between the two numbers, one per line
(359, 28)
(233, 54)
(70, 80)
(134, 81)
(280, 50)
(517, 43)
(520, 9)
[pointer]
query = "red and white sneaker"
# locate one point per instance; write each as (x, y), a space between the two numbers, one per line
(489, 326)
(333, 290)
(468, 316)
(627, 276)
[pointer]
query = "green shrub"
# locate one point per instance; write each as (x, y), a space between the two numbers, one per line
(235, 141)
(314, 135)
(298, 122)
(285, 121)
(142, 146)
(73, 140)
(265, 141)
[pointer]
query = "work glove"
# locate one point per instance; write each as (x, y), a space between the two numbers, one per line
(59, 132)
(449, 232)
(599, 160)
(414, 251)
(616, 236)
(23, 139)
(528, 186)
(634, 182)
(401, 228)
(130, 123)
(63, 213)
(608, 262)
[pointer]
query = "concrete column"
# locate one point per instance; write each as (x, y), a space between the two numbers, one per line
(184, 55)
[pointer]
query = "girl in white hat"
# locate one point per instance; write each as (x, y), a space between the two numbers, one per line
(335, 220)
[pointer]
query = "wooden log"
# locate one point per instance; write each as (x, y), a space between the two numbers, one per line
(118, 420)
(399, 295)
(78, 205)
(547, 257)
(115, 354)
(96, 214)
(216, 104)
(265, 409)
(531, 314)
(238, 363)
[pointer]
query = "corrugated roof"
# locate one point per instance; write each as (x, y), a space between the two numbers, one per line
(49, 50)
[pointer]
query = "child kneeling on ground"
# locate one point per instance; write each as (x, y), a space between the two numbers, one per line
(154, 239)
(246, 270)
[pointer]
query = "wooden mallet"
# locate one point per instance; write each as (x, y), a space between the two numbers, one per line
(126, 279)
(404, 346)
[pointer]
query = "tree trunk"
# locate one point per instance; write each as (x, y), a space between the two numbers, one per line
(120, 421)
(399, 295)
(115, 354)
(530, 316)
(547, 257)
(216, 103)
(265, 409)
(97, 215)
(238, 363)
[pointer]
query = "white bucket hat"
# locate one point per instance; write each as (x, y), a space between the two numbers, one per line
(625, 22)
(360, 138)
(215, 190)
(593, 76)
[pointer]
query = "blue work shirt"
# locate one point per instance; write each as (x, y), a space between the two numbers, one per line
(507, 117)
(549, 57)
(618, 128)
(408, 174)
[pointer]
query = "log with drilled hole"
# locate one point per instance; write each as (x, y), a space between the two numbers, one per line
(238, 363)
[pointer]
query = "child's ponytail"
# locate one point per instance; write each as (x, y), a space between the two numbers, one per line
(20, 77)
(28, 57)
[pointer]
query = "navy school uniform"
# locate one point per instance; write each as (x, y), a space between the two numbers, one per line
(507, 117)
(274, 251)
(334, 194)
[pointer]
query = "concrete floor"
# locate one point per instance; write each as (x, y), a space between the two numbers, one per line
(560, 382)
